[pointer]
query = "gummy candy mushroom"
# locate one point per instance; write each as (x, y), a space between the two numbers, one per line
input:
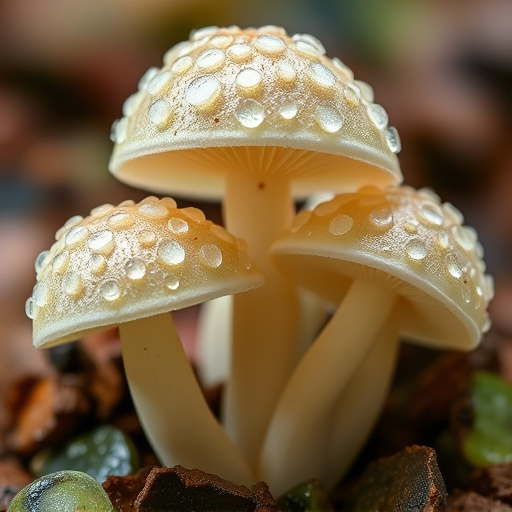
(128, 266)
(398, 262)
(256, 118)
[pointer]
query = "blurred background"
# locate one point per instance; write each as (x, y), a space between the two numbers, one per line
(442, 70)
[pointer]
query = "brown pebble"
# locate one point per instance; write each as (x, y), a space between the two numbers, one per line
(123, 490)
(469, 501)
(49, 415)
(181, 490)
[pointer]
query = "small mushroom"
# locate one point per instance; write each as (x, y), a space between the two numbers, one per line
(379, 254)
(128, 266)
(256, 118)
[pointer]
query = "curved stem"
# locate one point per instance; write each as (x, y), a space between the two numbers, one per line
(361, 403)
(171, 407)
(295, 441)
(258, 209)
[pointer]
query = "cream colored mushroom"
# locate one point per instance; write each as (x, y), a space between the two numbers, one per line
(128, 266)
(256, 118)
(379, 253)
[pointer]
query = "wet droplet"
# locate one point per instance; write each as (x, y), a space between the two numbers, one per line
(210, 255)
(72, 284)
(120, 130)
(126, 202)
(210, 59)
(176, 52)
(465, 237)
(41, 261)
(168, 202)
(201, 33)
(311, 41)
(171, 253)
(182, 65)
(40, 294)
(416, 249)
(153, 210)
(366, 90)
(269, 44)
(393, 139)
(120, 220)
(194, 214)
(101, 210)
(248, 80)
(239, 52)
(203, 91)
(101, 241)
(328, 118)
(250, 113)
(352, 94)
(172, 283)
(382, 217)
(454, 265)
(452, 214)
(431, 215)
(97, 263)
(344, 70)
(75, 235)
(177, 225)
(221, 41)
(340, 225)
(286, 72)
(326, 208)
(60, 262)
(146, 237)
(131, 104)
(378, 115)
(443, 239)
(158, 82)
(29, 308)
(222, 234)
(147, 77)
(321, 76)
(411, 226)
(110, 290)
(135, 269)
(300, 219)
(73, 221)
(288, 109)
(159, 112)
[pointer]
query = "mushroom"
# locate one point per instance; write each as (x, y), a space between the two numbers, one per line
(256, 118)
(128, 266)
(378, 253)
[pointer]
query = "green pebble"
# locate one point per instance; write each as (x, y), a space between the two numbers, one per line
(487, 440)
(64, 491)
(100, 453)
(306, 497)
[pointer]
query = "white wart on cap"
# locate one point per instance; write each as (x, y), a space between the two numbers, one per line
(229, 87)
(132, 261)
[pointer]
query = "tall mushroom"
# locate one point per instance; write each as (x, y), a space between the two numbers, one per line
(378, 253)
(256, 118)
(128, 266)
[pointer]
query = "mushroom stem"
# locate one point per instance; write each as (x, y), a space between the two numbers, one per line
(294, 448)
(364, 397)
(265, 333)
(171, 407)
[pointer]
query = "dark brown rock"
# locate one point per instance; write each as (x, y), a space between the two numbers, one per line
(409, 481)
(180, 490)
(494, 482)
(123, 490)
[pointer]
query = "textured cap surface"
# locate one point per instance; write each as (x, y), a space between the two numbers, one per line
(132, 261)
(406, 240)
(228, 87)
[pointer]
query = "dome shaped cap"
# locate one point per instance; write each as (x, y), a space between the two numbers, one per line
(405, 240)
(132, 261)
(229, 87)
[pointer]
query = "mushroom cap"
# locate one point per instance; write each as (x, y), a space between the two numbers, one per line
(247, 90)
(132, 261)
(402, 239)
